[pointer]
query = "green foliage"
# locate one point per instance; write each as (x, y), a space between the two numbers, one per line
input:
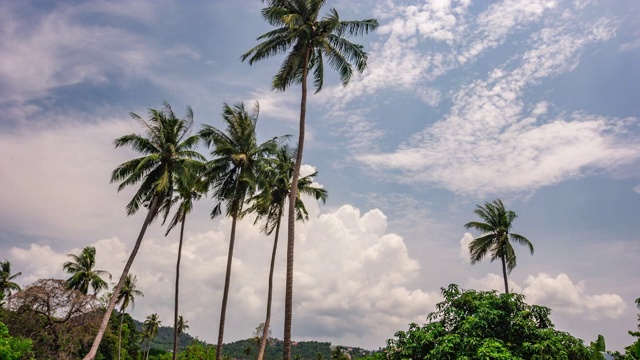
(632, 352)
(484, 325)
(14, 348)
(305, 349)
(198, 351)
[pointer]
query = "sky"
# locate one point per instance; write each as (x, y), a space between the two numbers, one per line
(463, 102)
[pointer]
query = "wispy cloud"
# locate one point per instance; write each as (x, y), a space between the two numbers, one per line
(493, 139)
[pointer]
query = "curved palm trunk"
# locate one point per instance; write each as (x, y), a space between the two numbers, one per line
(504, 273)
(114, 297)
(225, 294)
(267, 321)
(120, 336)
(175, 312)
(291, 220)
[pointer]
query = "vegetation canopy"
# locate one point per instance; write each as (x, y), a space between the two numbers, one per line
(471, 324)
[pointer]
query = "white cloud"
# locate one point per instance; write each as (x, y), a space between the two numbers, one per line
(488, 142)
(56, 50)
(352, 278)
(57, 175)
(465, 255)
(558, 293)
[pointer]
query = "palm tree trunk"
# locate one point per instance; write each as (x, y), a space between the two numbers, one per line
(114, 297)
(120, 335)
(291, 220)
(175, 310)
(148, 348)
(504, 273)
(265, 329)
(227, 280)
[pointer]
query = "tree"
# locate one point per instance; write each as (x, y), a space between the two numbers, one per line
(232, 174)
(83, 274)
(308, 40)
(127, 296)
(182, 325)
(496, 236)
(167, 153)
(14, 348)
(57, 319)
(189, 188)
(269, 204)
(150, 330)
(6, 279)
(485, 325)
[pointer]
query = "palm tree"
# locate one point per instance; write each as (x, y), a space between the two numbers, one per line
(167, 153)
(308, 40)
(182, 325)
(495, 236)
(189, 188)
(269, 204)
(82, 273)
(150, 330)
(6, 279)
(233, 174)
(127, 296)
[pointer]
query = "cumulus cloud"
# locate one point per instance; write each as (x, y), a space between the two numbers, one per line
(559, 293)
(352, 277)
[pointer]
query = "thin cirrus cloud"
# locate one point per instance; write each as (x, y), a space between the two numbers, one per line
(493, 139)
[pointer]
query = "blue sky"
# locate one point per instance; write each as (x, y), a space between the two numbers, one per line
(534, 102)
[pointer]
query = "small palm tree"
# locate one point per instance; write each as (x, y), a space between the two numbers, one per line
(167, 154)
(83, 273)
(127, 296)
(189, 188)
(182, 325)
(308, 40)
(233, 174)
(150, 330)
(269, 204)
(496, 236)
(7, 285)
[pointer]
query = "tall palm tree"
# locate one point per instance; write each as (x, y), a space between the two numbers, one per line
(495, 237)
(269, 204)
(233, 174)
(150, 330)
(189, 188)
(307, 39)
(167, 153)
(83, 274)
(127, 296)
(7, 285)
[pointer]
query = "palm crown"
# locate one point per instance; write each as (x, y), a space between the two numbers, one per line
(275, 186)
(310, 40)
(83, 273)
(7, 285)
(234, 171)
(167, 150)
(496, 236)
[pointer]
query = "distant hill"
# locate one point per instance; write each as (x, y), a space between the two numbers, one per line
(240, 349)
(164, 339)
